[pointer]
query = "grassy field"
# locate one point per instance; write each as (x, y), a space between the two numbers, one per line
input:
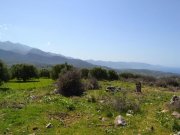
(26, 108)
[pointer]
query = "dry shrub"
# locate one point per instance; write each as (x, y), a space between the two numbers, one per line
(69, 84)
(92, 84)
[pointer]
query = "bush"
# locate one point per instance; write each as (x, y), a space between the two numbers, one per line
(4, 74)
(60, 69)
(112, 75)
(92, 84)
(99, 73)
(69, 84)
(24, 72)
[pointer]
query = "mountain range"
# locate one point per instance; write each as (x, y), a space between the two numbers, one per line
(135, 66)
(13, 53)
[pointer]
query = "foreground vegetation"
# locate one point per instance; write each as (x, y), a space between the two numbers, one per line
(28, 107)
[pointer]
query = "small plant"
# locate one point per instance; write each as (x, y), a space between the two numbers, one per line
(109, 114)
(71, 107)
(176, 125)
(91, 99)
(123, 105)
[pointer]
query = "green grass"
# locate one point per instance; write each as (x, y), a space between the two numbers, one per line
(25, 106)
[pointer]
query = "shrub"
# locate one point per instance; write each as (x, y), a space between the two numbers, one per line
(112, 75)
(99, 73)
(59, 69)
(24, 72)
(69, 84)
(92, 84)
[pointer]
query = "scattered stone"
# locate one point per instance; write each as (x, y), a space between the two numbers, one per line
(175, 99)
(178, 133)
(18, 106)
(55, 91)
(119, 121)
(104, 119)
(112, 89)
(130, 112)
(176, 115)
(101, 101)
(164, 111)
(129, 115)
(49, 125)
(33, 97)
(32, 134)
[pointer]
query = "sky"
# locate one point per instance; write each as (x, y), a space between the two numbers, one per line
(112, 30)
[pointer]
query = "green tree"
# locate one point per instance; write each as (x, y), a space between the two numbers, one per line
(99, 73)
(44, 73)
(112, 75)
(24, 72)
(60, 69)
(4, 74)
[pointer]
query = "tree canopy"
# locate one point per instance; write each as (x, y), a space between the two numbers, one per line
(4, 74)
(24, 72)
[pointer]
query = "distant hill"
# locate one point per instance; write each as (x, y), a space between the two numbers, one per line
(134, 66)
(13, 53)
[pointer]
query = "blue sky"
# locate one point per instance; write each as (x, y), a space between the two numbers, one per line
(117, 30)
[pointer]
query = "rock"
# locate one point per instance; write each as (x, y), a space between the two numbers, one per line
(33, 97)
(110, 89)
(176, 115)
(178, 133)
(55, 91)
(119, 121)
(103, 119)
(32, 134)
(113, 89)
(129, 115)
(175, 99)
(130, 111)
(164, 111)
(101, 101)
(49, 125)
